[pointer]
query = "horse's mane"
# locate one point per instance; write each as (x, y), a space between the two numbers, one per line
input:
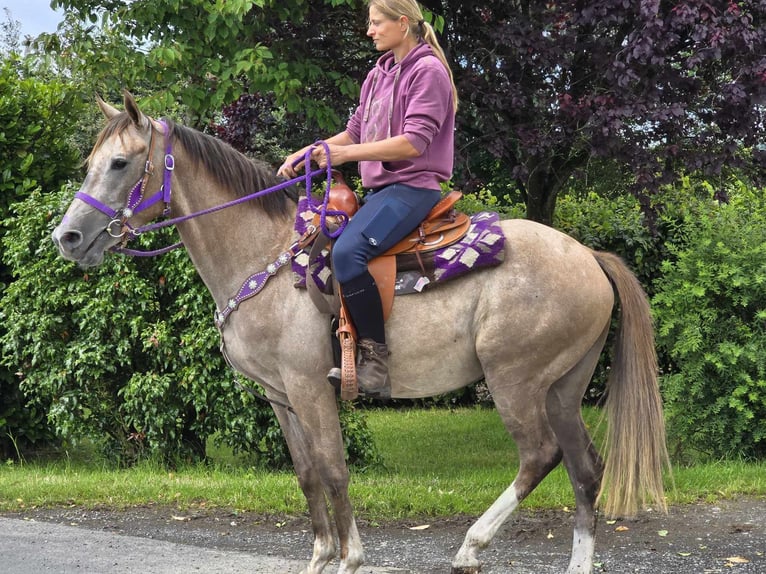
(233, 170)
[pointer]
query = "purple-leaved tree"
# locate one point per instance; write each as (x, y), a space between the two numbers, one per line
(659, 89)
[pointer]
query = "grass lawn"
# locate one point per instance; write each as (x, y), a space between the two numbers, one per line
(437, 463)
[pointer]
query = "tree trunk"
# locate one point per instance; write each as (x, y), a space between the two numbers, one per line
(541, 193)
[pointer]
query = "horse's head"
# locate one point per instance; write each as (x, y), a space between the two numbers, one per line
(126, 161)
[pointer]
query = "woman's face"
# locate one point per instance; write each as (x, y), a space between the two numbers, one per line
(386, 34)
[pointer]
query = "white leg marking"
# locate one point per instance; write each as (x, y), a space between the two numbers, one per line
(355, 557)
(324, 552)
(481, 533)
(583, 547)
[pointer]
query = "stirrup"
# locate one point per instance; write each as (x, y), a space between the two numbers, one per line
(334, 377)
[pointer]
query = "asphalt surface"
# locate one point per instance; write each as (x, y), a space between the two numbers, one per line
(33, 547)
(726, 537)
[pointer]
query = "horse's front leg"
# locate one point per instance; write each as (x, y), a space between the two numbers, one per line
(316, 414)
(351, 551)
(310, 482)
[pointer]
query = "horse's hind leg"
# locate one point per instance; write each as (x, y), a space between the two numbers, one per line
(522, 410)
(581, 459)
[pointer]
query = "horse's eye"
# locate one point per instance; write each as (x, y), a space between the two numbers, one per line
(119, 163)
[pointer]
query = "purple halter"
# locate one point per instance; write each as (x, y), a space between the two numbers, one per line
(136, 202)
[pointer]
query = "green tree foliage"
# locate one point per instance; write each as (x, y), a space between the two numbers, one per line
(711, 325)
(205, 54)
(128, 354)
(38, 119)
(551, 89)
(36, 152)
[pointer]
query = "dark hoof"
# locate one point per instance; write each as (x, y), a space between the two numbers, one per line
(468, 570)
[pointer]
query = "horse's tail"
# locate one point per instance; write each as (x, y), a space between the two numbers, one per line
(635, 452)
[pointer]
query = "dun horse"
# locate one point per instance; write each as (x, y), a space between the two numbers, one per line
(533, 328)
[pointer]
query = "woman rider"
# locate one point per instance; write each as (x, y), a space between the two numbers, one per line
(401, 134)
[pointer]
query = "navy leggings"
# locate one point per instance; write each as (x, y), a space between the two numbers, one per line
(386, 217)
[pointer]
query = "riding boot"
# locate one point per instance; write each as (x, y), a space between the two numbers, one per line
(363, 303)
(372, 369)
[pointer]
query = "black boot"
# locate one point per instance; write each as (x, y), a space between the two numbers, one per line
(366, 310)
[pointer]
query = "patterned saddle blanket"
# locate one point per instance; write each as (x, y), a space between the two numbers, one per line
(482, 246)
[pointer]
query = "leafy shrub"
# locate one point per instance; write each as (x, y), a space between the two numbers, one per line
(711, 324)
(35, 152)
(128, 353)
(613, 224)
(35, 145)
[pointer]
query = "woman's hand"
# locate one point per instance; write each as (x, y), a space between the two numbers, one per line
(293, 164)
(337, 155)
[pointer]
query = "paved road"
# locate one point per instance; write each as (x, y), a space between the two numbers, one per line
(32, 547)
(724, 538)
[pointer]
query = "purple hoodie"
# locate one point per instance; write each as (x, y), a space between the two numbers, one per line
(413, 98)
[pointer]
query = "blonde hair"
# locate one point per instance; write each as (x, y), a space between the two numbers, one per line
(395, 9)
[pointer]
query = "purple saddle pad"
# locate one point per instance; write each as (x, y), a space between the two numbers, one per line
(482, 246)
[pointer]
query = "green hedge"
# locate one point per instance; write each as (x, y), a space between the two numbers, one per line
(127, 354)
(36, 152)
(710, 311)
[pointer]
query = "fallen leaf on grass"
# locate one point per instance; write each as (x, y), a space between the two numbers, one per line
(621, 529)
(550, 535)
(736, 560)
(662, 533)
(181, 518)
(421, 527)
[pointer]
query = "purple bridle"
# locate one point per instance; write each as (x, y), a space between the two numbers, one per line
(119, 225)
(119, 218)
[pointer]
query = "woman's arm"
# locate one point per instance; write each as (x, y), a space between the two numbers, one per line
(390, 149)
(288, 170)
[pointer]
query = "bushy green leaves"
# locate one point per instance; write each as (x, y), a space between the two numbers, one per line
(36, 152)
(128, 354)
(36, 119)
(711, 323)
(206, 54)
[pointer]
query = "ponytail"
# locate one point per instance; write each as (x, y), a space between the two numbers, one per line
(395, 9)
(429, 36)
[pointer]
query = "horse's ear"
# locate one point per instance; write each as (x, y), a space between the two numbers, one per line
(138, 117)
(108, 110)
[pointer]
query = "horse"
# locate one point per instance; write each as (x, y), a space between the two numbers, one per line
(533, 328)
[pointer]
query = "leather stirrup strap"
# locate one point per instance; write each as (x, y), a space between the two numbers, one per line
(349, 390)
(383, 270)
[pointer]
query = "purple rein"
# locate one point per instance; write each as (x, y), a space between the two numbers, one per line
(136, 203)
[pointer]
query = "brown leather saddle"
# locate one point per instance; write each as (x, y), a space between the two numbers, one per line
(443, 226)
